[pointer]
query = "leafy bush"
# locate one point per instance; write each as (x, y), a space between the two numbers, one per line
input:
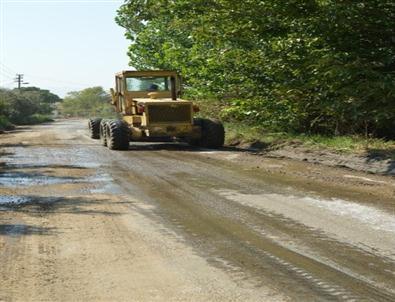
(5, 123)
(29, 105)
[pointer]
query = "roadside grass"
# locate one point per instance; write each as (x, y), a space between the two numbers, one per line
(240, 134)
(36, 119)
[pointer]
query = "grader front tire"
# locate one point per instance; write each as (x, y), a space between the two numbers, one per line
(213, 133)
(117, 135)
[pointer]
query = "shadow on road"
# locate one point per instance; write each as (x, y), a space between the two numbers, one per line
(11, 166)
(7, 145)
(385, 156)
(170, 146)
(38, 205)
(15, 230)
(22, 129)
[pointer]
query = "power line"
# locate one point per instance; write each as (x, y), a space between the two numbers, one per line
(6, 76)
(9, 74)
(5, 73)
(7, 69)
(58, 81)
(7, 84)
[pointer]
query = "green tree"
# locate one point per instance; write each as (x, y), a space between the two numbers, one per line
(88, 102)
(43, 99)
(305, 66)
(26, 106)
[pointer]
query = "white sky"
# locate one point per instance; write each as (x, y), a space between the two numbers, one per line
(61, 45)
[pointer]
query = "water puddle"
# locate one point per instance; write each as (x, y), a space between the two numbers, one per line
(13, 200)
(28, 179)
(104, 184)
(45, 156)
(101, 178)
(365, 179)
(209, 151)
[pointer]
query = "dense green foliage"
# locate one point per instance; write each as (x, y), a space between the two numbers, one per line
(28, 105)
(312, 66)
(89, 102)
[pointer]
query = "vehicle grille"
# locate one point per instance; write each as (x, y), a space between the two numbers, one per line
(169, 113)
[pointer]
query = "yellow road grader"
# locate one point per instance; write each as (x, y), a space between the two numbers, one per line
(150, 109)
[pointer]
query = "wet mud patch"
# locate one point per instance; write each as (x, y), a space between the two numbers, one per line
(44, 205)
(49, 170)
(48, 155)
(93, 184)
(58, 180)
(15, 203)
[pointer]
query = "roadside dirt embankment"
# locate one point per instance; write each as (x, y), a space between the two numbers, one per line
(372, 161)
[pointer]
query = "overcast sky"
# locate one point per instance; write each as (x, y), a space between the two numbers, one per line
(61, 45)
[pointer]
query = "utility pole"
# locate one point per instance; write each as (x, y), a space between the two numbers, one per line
(19, 80)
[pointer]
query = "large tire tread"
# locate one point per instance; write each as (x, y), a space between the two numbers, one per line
(213, 133)
(94, 128)
(103, 131)
(117, 135)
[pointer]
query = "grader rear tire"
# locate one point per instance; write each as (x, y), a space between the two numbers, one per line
(102, 133)
(94, 128)
(117, 135)
(213, 133)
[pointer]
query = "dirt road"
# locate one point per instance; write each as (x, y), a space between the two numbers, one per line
(164, 222)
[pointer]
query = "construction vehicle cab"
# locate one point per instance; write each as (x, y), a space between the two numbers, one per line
(150, 107)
